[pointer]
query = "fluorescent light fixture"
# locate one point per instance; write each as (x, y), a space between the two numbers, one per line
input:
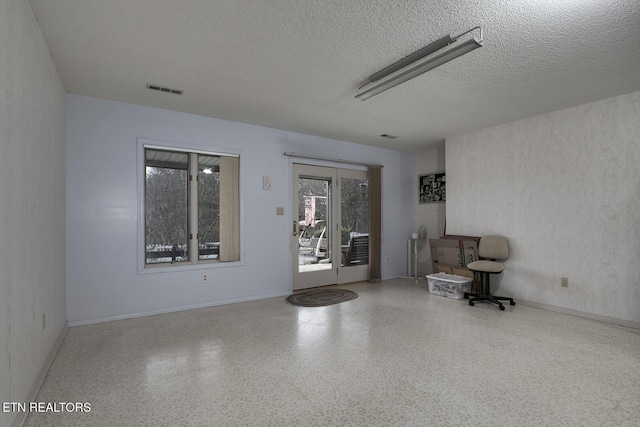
(410, 59)
(421, 68)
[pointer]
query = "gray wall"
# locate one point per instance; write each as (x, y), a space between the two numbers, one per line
(104, 230)
(564, 188)
(32, 203)
(431, 215)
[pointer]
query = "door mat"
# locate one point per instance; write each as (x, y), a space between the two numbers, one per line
(321, 297)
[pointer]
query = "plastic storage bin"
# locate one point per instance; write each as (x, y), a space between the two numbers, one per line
(448, 285)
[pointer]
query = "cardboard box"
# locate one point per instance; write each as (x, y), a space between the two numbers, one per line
(455, 251)
(449, 255)
(459, 271)
(445, 269)
(448, 285)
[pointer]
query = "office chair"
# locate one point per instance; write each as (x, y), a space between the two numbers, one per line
(490, 249)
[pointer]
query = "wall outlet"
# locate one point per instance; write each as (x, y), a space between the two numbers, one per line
(387, 259)
(205, 278)
(564, 282)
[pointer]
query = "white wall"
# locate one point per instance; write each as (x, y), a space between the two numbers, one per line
(103, 281)
(565, 189)
(431, 215)
(32, 203)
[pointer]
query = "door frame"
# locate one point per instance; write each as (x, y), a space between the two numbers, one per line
(336, 273)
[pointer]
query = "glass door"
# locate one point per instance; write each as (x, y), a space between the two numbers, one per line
(354, 225)
(312, 228)
(330, 235)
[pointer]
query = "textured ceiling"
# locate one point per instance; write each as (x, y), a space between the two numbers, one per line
(297, 64)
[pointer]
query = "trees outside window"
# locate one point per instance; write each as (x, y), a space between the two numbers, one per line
(183, 206)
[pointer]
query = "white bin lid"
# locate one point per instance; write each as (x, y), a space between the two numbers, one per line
(449, 278)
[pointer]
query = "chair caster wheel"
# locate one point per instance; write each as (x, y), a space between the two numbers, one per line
(471, 303)
(512, 302)
(501, 307)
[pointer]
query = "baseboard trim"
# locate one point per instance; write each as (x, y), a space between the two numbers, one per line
(37, 383)
(613, 320)
(173, 309)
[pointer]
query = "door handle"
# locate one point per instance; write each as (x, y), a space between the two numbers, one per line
(295, 228)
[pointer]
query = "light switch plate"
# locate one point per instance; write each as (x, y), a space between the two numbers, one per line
(266, 183)
(279, 211)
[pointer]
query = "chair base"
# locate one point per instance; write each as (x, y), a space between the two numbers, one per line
(488, 297)
(485, 294)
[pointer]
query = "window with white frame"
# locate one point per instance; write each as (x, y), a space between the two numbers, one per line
(191, 207)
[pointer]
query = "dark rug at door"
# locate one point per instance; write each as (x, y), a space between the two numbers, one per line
(321, 297)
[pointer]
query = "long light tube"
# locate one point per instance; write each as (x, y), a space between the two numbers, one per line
(423, 67)
(410, 59)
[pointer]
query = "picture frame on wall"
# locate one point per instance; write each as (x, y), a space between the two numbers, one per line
(432, 188)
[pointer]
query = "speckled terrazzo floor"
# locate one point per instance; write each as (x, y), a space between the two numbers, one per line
(395, 356)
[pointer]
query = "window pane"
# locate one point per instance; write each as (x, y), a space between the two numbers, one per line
(355, 221)
(166, 201)
(208, 207)
(315, 238)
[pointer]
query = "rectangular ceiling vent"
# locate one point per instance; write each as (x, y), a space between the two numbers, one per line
(165, 89)
(385, 135)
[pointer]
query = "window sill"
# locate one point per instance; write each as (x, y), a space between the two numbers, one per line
(176, 268)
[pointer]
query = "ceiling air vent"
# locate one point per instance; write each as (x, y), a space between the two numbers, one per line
(384, 135)
(164, 89)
